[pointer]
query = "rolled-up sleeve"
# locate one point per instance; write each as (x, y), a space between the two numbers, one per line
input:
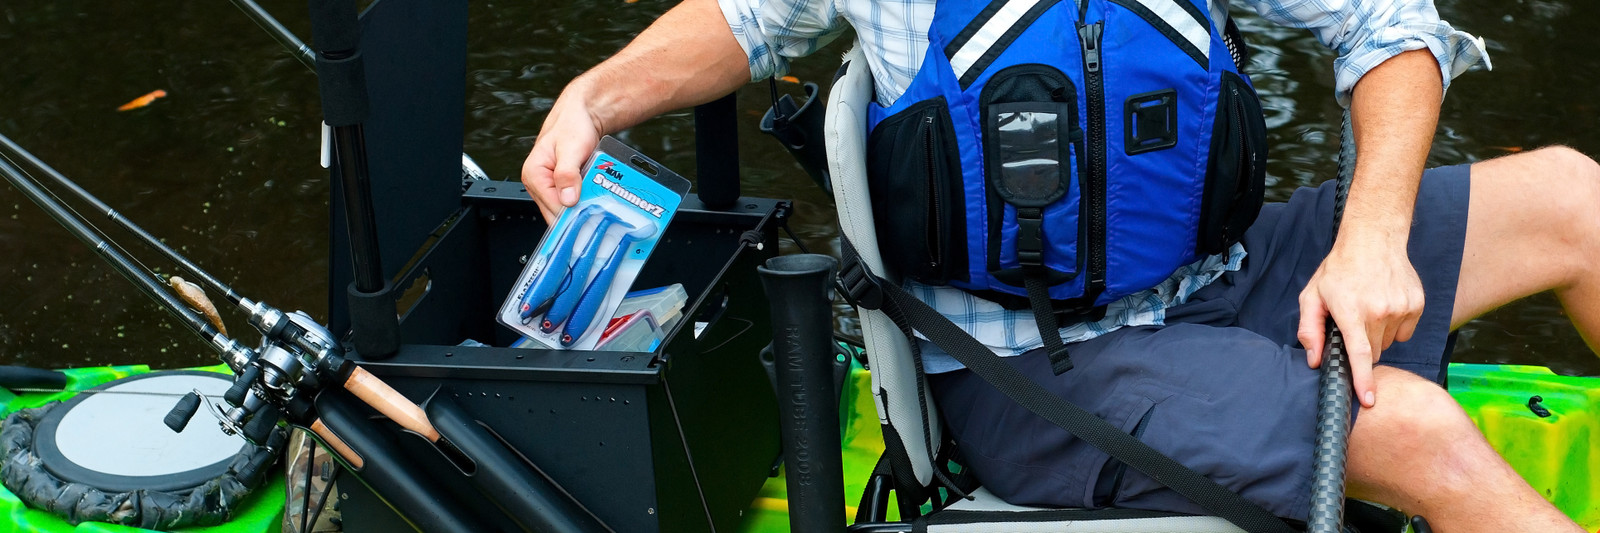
(1366, 33)
(772, 32)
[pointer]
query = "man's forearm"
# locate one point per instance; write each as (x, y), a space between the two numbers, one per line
(685, 58)
(1394, 110)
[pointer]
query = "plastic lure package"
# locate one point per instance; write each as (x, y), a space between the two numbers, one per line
(585, 264)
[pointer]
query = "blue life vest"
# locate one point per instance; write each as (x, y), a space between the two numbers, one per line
(1093, 148)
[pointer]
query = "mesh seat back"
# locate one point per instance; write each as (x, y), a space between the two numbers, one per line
(897, 386)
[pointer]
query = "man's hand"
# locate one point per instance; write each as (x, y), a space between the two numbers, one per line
(1373, 294)
(686, 58)
(568, 137)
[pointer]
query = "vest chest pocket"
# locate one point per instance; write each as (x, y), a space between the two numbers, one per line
(914, 175)
(1237, 172)
(1030, 136)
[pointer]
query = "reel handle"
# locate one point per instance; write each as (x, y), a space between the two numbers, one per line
(178, 418)
(241, 385)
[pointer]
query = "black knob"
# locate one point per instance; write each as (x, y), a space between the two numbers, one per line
(178, 417)
(241, 385)
(259, 429)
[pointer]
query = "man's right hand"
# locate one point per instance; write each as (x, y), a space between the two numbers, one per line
(569, 135)
(687, 57)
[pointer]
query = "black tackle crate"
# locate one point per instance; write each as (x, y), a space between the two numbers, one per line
(675, 440)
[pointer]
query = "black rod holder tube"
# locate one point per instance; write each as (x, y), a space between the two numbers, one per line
(1333, 388)
(146, 283)
(390, 474)
(21, 377)
(808, 404)
(525, 496)
(341, 78)
(360, 220)
(716, 140)
(60, 181)
(297, 48)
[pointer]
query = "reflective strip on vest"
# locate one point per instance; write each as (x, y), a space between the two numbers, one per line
(989, 34)
(1184, 24)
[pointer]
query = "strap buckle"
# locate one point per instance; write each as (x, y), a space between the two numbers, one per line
(856, 284)
(1030, 237)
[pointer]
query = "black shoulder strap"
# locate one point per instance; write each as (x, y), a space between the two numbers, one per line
(1097, 432)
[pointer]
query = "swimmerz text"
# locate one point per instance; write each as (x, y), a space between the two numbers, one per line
(626, 195)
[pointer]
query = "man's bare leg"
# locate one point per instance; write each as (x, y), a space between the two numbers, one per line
(1417, 450)
(1533, 225)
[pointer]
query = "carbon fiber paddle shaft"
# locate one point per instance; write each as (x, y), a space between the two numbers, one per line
(1334, 392)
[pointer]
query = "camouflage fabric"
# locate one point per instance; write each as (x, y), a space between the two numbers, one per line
(311, 474)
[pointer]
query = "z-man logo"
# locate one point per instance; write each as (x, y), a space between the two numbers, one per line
(606, 167)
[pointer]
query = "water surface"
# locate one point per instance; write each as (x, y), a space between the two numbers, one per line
(224, 168)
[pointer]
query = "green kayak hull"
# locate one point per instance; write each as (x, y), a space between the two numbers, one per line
(1555, 453)
(261, 513)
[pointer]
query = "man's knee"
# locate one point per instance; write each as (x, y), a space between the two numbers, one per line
(1416, 436)
(1569, 162)
(1413, 412)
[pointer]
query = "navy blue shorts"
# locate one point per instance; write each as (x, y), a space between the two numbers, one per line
(1223, 387)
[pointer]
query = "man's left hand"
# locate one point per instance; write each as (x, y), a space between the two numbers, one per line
(1369, 287)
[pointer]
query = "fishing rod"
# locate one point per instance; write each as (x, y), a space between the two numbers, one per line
(295, 349)
(294, 370)
(295, 361)
(309, 346)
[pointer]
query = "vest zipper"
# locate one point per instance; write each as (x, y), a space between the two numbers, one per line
(1095, 175)
(1246, 159)
(936, 223)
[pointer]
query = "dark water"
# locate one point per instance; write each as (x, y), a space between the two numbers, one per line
(224, 168)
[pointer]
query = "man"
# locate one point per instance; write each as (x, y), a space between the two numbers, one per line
(1223, 330)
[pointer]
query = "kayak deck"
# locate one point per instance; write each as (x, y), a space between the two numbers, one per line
(262, 512)
(1555, 453)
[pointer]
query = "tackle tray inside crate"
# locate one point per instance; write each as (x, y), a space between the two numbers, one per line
(649, 441)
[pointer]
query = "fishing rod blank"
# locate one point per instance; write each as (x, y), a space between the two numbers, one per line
(140, 279)
(101, 208)
(297, 48)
